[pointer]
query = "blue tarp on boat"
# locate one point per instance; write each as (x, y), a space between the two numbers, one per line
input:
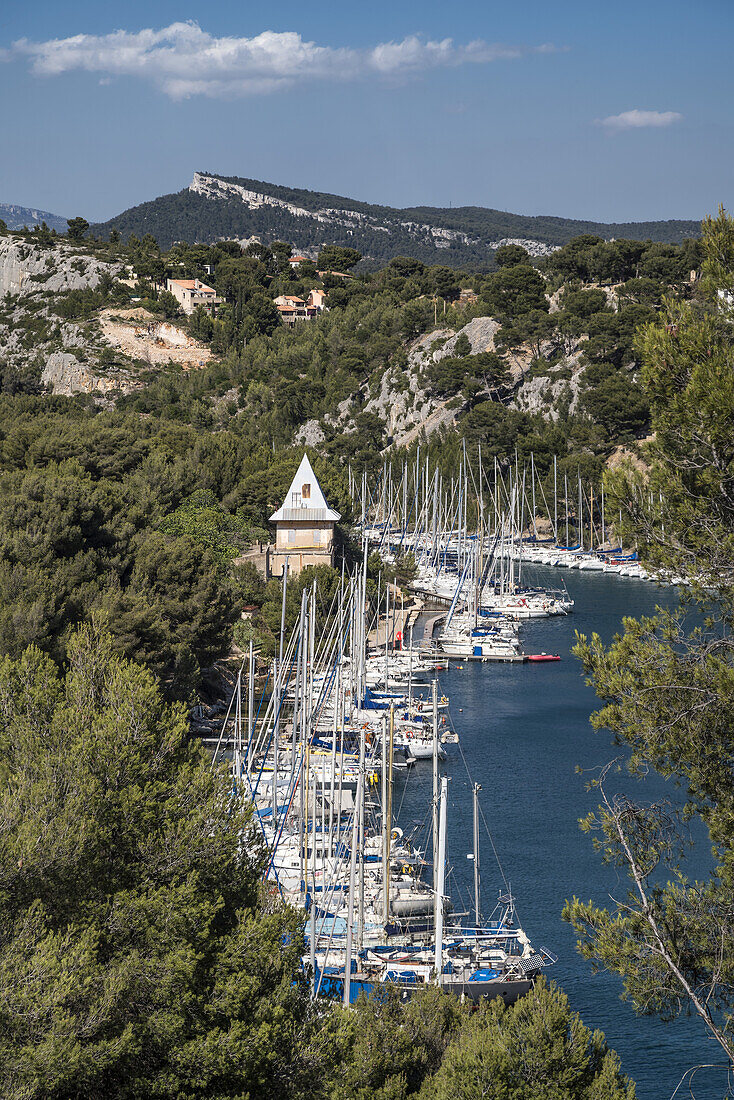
(484, 974)
(370, 702)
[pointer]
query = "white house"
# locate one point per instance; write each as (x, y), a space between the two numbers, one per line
(304, 525)
(190, 293)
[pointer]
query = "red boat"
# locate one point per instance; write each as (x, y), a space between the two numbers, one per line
(543, 657)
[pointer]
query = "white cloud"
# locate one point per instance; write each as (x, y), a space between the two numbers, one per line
(636, 119)
(183, 60)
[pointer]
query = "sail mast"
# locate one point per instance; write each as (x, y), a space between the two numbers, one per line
(440, 881)
(352, 879)
(276, 730)
(385, 825)
(434, 694)
(603, 532)
(237, 762)
(387, 632)
(391, 750)
(250, 705)
(360, 917)
(477, 909)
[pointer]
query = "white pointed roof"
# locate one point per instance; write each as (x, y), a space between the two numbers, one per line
(296, 506)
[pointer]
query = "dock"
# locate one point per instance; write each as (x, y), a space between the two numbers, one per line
(401, 622)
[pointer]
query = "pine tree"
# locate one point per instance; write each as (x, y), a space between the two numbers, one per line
(137, 954)
(668, 681)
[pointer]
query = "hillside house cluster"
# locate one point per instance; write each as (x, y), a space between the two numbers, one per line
(292, 308)
(190, 293)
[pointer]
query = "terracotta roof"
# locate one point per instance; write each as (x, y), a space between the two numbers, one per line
(289, 300)
(190, 284)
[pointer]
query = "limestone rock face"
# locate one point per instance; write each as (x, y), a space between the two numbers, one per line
(403, 401)
(480, 332)
(66, 376)
(546, 393)
(310, 434)
(68, 354)
(400, 409)
(27, 268)
(440, 343)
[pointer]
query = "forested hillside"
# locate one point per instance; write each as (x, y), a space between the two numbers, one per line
(215, 207)
(133, 497)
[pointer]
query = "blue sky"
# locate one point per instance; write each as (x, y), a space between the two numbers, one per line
(617, 111)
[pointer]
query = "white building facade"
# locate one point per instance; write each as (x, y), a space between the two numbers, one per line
(190, 293)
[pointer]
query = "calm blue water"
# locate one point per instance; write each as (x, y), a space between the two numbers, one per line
(524, 730)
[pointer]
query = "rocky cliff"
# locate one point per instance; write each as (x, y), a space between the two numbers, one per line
(402, 399)
(36, 341)
(27, 268)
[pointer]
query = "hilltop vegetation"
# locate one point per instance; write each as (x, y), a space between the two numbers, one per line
(343, 375)
(463, 235)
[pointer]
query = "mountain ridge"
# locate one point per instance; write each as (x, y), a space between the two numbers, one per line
(16, 217)
(214, 207)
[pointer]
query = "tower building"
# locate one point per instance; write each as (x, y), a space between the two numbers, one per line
(304, 525)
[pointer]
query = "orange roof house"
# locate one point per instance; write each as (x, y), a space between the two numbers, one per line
(190, 293)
